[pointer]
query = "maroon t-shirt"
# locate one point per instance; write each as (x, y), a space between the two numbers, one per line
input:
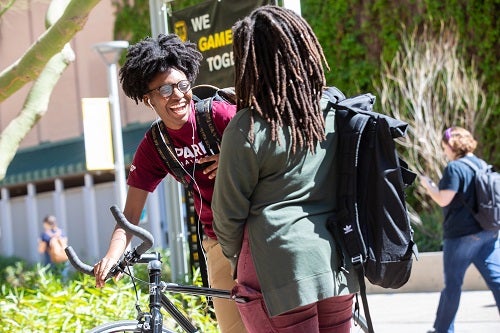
(148, 169)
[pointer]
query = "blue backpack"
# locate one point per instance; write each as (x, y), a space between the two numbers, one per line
(487, 203)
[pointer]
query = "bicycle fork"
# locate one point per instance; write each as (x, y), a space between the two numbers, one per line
(157, 300)
(154, 268)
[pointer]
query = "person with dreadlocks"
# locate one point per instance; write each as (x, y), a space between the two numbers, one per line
(159, 73)
(274, 190)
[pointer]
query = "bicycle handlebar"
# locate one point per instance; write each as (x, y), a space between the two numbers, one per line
(134, 255)
(77, 263)
(147, 238)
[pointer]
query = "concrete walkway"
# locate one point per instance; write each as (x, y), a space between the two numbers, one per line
(414, 312)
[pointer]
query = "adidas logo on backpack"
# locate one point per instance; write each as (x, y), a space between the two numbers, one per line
(348, 229)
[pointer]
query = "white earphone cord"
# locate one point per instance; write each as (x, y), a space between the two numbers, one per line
(198, 221)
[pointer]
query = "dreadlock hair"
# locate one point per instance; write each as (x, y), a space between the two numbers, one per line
(279, 73)
(150, 56)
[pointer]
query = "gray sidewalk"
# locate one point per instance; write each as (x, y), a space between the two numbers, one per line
(414, 312)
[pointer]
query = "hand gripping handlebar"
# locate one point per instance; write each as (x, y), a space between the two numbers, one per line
(131, 257)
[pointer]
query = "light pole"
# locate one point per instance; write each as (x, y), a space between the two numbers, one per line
(110, 53)
(158, 15)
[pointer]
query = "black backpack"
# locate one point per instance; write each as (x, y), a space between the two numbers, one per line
(203, 95)
(371, 222)
(487, 200)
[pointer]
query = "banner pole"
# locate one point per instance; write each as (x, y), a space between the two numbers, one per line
(158, 14)
(159, 11)
(293, 5)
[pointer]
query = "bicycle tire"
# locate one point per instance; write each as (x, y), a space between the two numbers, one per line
(121, 326)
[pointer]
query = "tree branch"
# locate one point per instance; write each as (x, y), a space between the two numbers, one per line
(30, 65)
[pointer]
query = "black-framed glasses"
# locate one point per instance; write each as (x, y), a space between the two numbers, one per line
(166, 90)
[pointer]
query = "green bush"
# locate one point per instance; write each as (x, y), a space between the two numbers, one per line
(428, 235)
(15, 271)
(39, 302)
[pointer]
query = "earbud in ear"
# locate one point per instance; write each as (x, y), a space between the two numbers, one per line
(151, 105)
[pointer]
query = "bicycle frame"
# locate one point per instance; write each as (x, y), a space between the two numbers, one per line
(158, 299)
(152, 321)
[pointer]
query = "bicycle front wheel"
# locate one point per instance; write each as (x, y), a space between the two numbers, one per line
(121, 326)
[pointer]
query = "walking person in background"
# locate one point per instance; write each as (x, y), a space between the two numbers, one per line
(50, 230)
(274, 190)
(464, 241)
(159, 72)
(51, 244)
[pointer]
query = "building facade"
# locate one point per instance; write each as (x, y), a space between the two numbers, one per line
(48, 173)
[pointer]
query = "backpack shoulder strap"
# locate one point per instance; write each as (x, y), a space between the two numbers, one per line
(227, 95)
(344, 223)
(483, 165)
(334, 95)
(350, 125)
(476, 169)
(203, 96)
(206, 127)
(468, 162)
(166, 150)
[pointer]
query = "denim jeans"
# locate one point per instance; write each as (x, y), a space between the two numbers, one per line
(482, 250)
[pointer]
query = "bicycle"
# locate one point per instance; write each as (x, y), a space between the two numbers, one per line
(152, 321)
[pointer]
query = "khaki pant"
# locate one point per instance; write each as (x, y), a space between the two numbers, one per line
(219, 277)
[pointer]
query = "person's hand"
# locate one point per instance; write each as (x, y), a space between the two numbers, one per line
(101, 270)
(42, 246)
(211, 170)
(426, 182)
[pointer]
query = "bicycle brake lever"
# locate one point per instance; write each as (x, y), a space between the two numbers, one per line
(115, 270)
